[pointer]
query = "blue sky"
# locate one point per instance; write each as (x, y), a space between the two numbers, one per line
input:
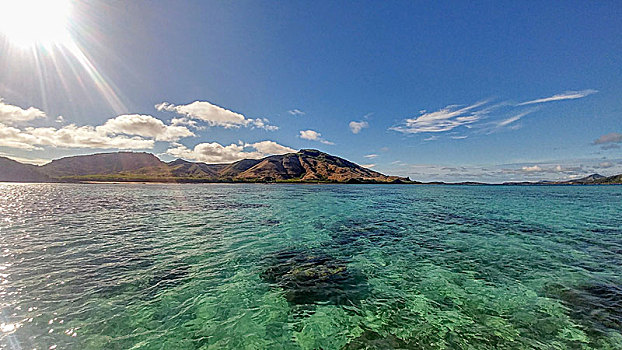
(444, 90)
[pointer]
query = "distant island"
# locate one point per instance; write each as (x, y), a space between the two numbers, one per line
(304, 166)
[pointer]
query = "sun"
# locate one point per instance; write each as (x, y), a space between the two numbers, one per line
(28, 23)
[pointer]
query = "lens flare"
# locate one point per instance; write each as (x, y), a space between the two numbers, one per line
(43, 29)
(26, 23)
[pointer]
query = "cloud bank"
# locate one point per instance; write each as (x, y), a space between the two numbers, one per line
(129, 131)
(213, 152)
(146, 126)
(70, 136)
(535, 171)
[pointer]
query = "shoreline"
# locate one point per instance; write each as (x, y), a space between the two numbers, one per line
(91, 182)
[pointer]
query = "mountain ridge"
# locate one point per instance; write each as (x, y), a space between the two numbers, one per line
(306, 165)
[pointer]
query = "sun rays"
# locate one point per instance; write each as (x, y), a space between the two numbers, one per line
(42, 30)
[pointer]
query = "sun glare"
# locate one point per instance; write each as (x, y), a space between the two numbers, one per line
(27, 23)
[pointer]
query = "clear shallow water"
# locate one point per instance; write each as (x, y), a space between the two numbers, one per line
(310, 267)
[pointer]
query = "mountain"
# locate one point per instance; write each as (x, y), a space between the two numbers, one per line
(12, 171)
(304, 166)
(610, 180)
(594, 179)
(100, 163)
(309, 165)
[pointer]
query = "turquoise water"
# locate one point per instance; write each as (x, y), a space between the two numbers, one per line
(310, 267)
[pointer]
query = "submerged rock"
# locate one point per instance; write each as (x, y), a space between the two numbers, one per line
(351, 230)
(271, 222)
(309, 277)
(599, 305)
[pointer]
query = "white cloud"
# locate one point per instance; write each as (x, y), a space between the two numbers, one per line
(296, 112)
(568, 95)
(14, 138)
(368, 165)
(140, 133)
(213, 152)
(310, 135)
(531, 169)
(70, 136)
(356, 127)
(60, 119)
(146, 126)
(271, 147)
(214, 115)
(458, 137)
(370, 156)
(314, 136)
(262, 123)
(10, 114)
(444, 119)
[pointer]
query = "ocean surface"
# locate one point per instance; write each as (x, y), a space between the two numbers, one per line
(236, 266)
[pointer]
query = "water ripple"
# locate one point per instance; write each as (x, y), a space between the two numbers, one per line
(309, 267)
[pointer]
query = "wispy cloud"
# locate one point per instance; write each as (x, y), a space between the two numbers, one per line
(356, 127)
(612, 137)
(609, 141)
(296, 112)
(481, 116)
(215, 115)
(444, 119)
(314, 136)
(370, 156)
(514, 118)
(568, 95)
